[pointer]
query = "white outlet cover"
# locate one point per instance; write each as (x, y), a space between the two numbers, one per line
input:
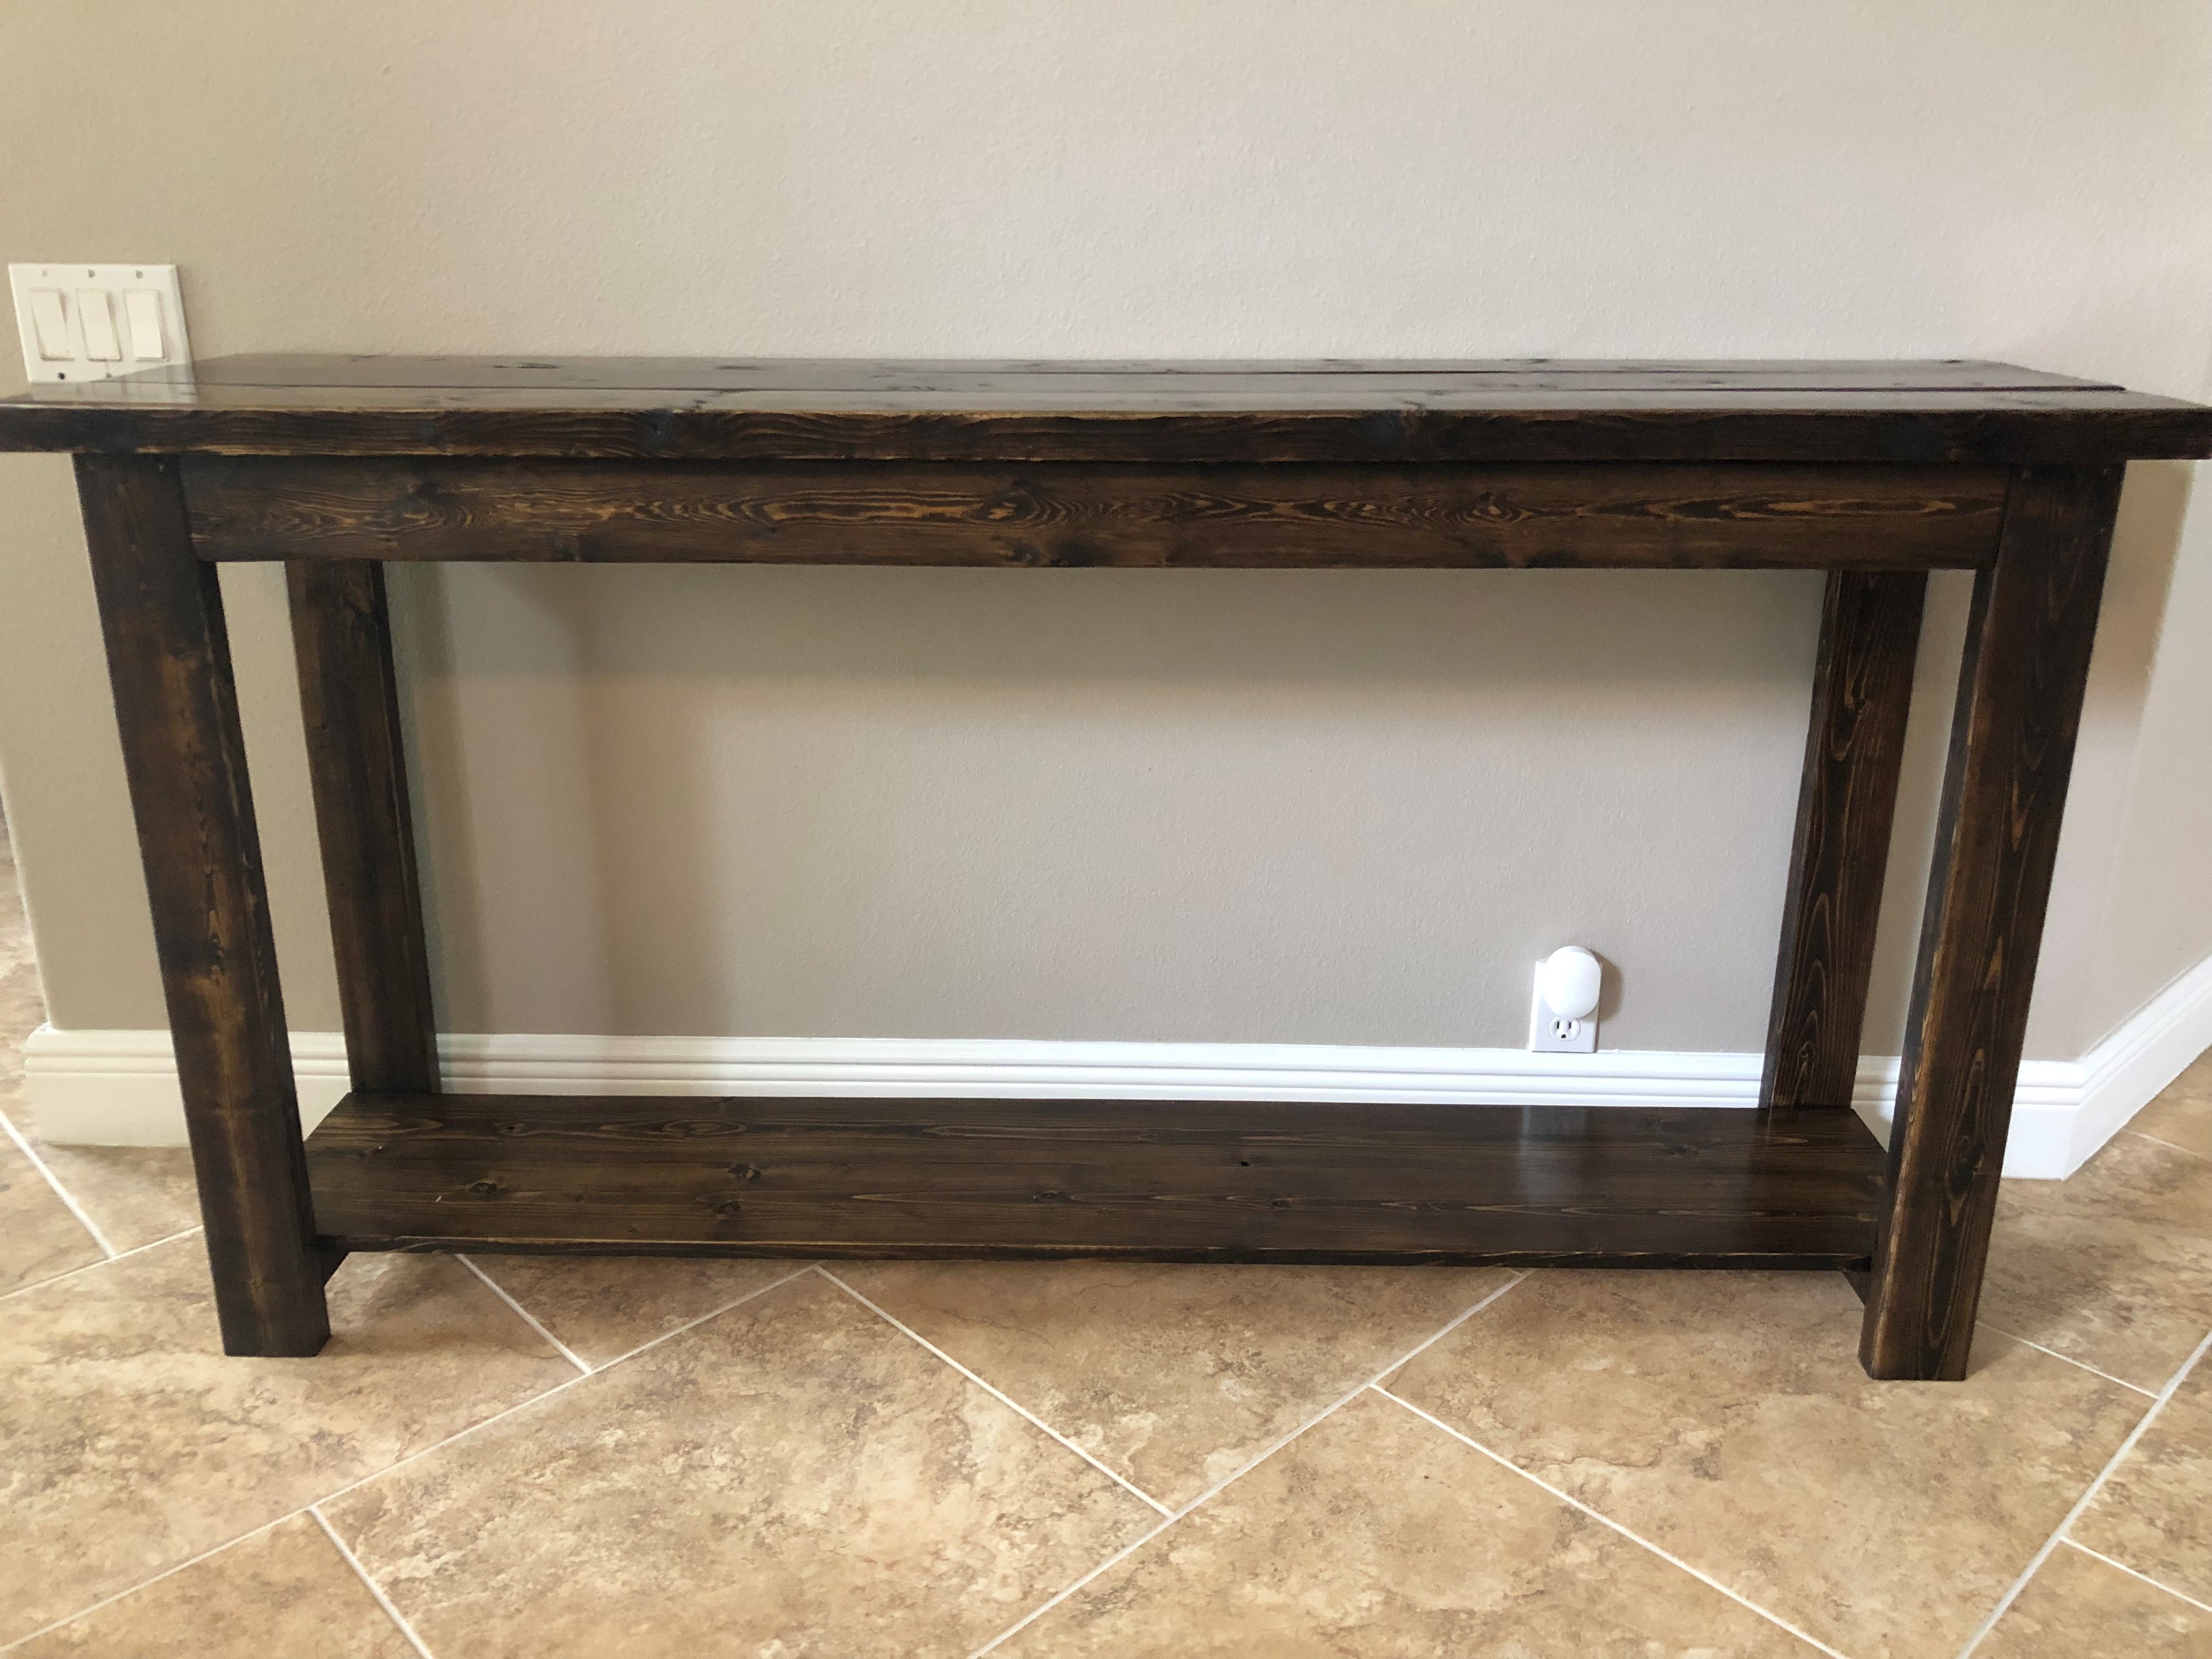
(1551, 1033)
(141, 300)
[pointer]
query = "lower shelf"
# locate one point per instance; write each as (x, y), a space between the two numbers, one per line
(1151, 1180)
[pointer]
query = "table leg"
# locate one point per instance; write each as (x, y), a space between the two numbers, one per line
(177, 706)
(1862, 692)
(2012, 746)
(348, 695)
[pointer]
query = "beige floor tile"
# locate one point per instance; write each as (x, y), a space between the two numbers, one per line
(2182, 1116)
(1375, 1533)
(1724, 1417)
(794, 1477)
(2112, 1267)
(14, 930)
(133, 1444)
(16, 962)
(22, 1001)
(38, 1236)
(603, 1306)
(2155, 1513)
(2078, 1608)
(135, 1194)
(22, 1004)
(283, 1594)
(15, 952)
(1175, 1377)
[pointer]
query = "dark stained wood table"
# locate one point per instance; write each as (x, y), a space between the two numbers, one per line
(1876, 472)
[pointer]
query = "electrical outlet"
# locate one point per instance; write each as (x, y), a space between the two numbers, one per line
(1551, 1032)
(95, 322)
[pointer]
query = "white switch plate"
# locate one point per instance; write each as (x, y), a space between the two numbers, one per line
(132, 316)
(1551, 1033)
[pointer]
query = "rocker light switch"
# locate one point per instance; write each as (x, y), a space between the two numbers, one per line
(50, 325)
(95, 315)
(142, 305)
(92, 322)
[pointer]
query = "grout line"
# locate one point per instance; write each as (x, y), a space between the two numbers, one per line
(144, 1583)
(1111, 1561)
(2178, 1595)
(995, 1393)
(94, 1267)
(2186, 1152)
(558, 1387)
(528, 1317)
(1667, 1556)
(374, 1588)
(2113, 1464)
(413, 1456)
(23, 1146)
(1123, 1555)
(690, 1324)
(2015, 1336)
(1435, 1337)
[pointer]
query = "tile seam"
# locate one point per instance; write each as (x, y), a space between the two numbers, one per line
(1044, 1607)
(2137, 1573)
(528, 1317)
(109, 1600)
(94, 1267)
(375, 1589)
(1223, 1484)
(2082, 1364)
(561, 1387)
(996, 1393)
(69, 1199)
(2186, 1152)
(2081, 1504)
(1638, 1538)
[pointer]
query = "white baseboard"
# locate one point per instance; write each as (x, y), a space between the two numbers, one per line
(119, 1088)
(2063, 1110)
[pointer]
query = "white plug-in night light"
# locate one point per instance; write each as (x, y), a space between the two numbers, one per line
(1572, 979)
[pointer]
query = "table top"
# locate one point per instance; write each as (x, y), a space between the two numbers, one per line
(1941, 412)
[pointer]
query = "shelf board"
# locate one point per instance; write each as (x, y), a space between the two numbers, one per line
(1142, 1180)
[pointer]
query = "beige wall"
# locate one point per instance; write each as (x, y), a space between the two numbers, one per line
(1327, 807)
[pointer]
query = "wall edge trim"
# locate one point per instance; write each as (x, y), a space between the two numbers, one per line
(110, 1087)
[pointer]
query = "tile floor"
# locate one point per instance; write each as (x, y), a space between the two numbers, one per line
(545, 1458)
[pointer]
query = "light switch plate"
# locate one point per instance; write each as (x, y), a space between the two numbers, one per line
(93, 322)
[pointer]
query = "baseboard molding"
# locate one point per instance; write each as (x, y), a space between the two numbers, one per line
(2064, 1109)
(120, 1087)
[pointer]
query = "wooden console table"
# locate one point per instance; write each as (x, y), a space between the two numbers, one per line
(1874, 472)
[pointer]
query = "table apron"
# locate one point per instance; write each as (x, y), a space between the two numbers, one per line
(1076, 515)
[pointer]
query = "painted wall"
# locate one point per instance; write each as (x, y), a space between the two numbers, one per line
(1286, 807)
